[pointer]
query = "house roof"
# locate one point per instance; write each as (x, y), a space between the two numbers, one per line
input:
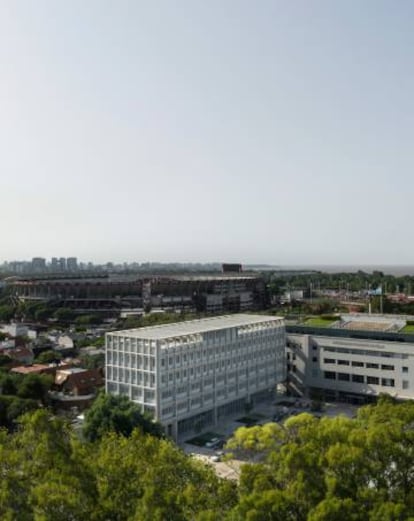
(30, 369)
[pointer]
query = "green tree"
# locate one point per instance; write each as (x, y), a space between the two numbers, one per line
(85, 320)
(34, 386)
(8, 384)
(118, 414)
(92, 361)
(64, 314)
(49, 356)
(6, 312)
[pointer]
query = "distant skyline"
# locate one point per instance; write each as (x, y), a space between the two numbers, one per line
(266, 133)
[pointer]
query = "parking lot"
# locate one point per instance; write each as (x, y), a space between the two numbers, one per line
(208, 445)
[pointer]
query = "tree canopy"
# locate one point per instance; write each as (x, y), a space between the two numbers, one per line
(330, 469)
(118, 414)
(308, 469)
(48, 474)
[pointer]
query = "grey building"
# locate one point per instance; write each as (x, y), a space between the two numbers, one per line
(354, 360)
(191, 374)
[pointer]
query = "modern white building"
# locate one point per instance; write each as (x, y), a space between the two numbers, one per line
(191, 374)
(356, 359)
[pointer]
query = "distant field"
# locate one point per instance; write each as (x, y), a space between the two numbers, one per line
(407, 329)
(319, 322)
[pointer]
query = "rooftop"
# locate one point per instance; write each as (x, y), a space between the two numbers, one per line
(196, 326)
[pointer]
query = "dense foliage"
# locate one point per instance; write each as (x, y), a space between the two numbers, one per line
(20, 394)
(332, 469)
(117, 414)
(49, 475)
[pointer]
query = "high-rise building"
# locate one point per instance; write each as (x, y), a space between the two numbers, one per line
(62, 264)
(38, 265)
(72, 264)
(54, 264)
(191, 374)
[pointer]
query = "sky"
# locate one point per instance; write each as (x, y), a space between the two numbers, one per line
(274, 132)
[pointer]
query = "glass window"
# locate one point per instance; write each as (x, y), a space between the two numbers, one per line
(344, 377)
(357, 364)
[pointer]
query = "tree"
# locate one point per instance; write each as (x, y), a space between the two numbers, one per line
(64, 314)
(6, 312)
(34, 386)
(333, 468)
(8, 384)
(118, 414)
(85, 320)
(5, 360)
(92, 361)
(42, 313)
(49, 356)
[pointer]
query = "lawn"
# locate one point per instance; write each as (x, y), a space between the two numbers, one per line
(407, 329)
(319, 322)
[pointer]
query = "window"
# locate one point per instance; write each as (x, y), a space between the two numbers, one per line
(343, 362)
(387, 367)
(330, 375)
(358, 378)
(372, 366)
(357, 364)
(329, 360)
(373, 380)
(314, 358)
(344, 377)
(405, 369)
(405, 384)
(387, 382)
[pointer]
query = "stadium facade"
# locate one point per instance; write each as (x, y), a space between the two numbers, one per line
(214, 293)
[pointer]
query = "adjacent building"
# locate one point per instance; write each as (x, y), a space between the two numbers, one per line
(355, 359)
(191, 374)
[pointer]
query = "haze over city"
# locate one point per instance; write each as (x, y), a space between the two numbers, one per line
(277, 132)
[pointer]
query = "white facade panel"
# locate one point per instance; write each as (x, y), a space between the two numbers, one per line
(179, 371)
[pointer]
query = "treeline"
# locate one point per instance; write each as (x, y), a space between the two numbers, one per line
(346, 281)
(332, 469)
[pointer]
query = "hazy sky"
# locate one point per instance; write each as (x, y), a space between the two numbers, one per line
(270, 131)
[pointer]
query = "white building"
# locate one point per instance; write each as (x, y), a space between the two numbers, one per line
(355, 359)
(191, 374)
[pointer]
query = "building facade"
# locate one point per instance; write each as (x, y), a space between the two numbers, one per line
(191, 374)
(215, 293)
(354, 367)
